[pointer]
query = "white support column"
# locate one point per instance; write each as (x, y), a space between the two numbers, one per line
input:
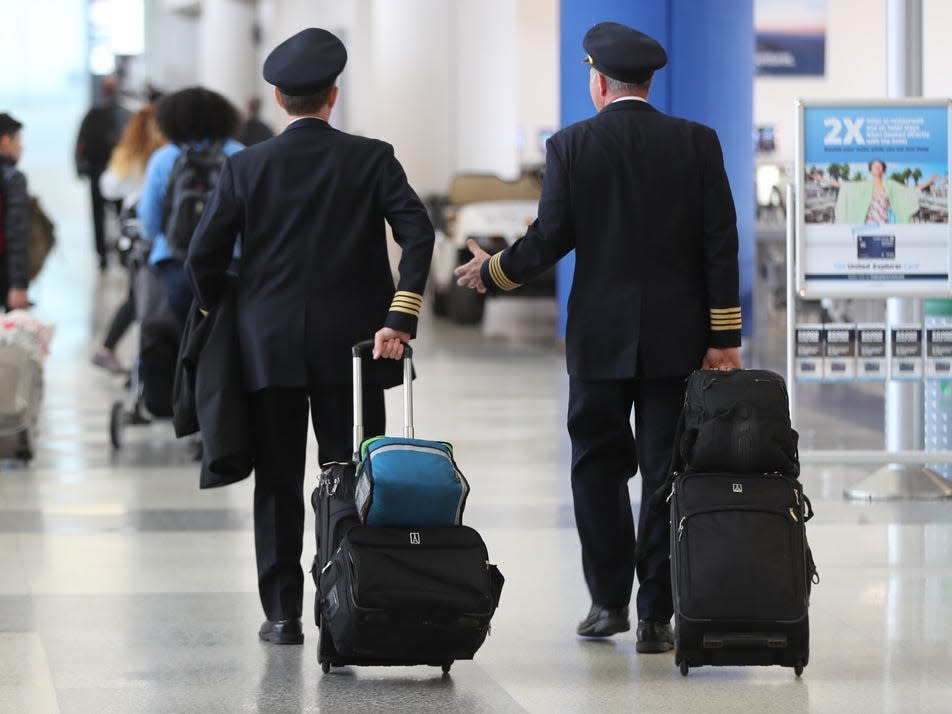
(904, 402)
(171, 46)
(227, 53)
(487, 86)
(904, 428)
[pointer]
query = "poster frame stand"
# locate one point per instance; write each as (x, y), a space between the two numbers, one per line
(903, 475)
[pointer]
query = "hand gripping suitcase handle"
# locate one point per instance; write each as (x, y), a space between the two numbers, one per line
(361, 351)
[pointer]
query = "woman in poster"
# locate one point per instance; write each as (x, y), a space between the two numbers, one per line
(876, 199)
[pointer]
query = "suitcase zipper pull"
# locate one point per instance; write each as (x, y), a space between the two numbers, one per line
(793, 515)
(671, 495)
(681, 528)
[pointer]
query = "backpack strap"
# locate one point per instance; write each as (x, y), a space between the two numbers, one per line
(167, 195)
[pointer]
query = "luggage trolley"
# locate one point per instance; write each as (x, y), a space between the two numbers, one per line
(21, 378)
(157, 346)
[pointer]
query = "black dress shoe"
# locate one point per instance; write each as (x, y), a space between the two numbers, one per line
(604, 621)
(282, 632)
(654, 637)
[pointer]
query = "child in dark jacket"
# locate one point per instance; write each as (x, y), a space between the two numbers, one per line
(15, 211)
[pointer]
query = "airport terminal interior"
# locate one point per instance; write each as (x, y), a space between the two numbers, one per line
(125, 588)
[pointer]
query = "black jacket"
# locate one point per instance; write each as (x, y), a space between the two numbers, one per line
(209, 393)
(16, 224)
(99, 133)
(644, 200)
(314, 278)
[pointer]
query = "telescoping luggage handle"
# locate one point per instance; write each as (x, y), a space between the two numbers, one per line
(365, 349)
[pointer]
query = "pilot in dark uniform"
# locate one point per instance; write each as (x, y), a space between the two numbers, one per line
(644, 200)
(309, 207)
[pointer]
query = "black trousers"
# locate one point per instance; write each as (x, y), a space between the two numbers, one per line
(605, 454)
(122, 319)
(99, 216)
(281, 432)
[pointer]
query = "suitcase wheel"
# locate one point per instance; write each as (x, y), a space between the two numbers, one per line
(798, 667)
(446, 667)
(325, 666)
(684, 666)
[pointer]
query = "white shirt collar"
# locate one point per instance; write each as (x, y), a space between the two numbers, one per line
(304, 117)
(629, 99)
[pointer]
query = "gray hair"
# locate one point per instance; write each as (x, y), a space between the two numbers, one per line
(619, 87)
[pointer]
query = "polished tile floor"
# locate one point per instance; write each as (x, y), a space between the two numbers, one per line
(126, 589)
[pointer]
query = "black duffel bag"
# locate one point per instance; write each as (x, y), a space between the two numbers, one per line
(406, 596)
(737, 421)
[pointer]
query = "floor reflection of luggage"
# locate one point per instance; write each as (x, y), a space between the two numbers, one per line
(150, 383)
(395, 596)
(21, 388)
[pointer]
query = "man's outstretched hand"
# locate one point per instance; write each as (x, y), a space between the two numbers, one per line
(468, 275)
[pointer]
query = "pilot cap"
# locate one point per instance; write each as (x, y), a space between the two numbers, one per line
(623, 53)
(305, 63)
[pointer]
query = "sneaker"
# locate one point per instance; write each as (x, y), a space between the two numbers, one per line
(107, 360)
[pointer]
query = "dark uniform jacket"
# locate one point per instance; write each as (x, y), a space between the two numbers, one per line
(15, 211)
(209, 393)
(314, 277)
(644, 200)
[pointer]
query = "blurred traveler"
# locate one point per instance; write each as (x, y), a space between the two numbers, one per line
(643, 199)
(198, 123)
(14, 218)
(310, 206)
(254, 131)
(99, 132)
(122, 181)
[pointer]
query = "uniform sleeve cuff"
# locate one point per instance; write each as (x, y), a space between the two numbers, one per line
(405, 311)
(494, 277)
(401, 321)
(726, 326)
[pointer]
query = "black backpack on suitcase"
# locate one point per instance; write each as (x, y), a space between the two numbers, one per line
(741, 568)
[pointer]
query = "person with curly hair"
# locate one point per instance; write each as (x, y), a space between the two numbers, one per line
(192, 118)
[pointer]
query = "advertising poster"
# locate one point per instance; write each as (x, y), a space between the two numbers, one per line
(874, 199)
(790, 37)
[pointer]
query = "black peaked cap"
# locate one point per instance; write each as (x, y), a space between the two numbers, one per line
(305, 63)
(623, 53)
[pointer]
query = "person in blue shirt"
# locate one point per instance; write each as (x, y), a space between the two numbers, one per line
(190, 118)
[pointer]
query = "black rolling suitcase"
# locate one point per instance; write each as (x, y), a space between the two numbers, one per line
(395, 596)
(741, 568)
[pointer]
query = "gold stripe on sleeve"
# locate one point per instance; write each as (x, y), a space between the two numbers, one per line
(407, 295)
(407, 302)
(725, 319)
(499, 275)
(398, 308)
